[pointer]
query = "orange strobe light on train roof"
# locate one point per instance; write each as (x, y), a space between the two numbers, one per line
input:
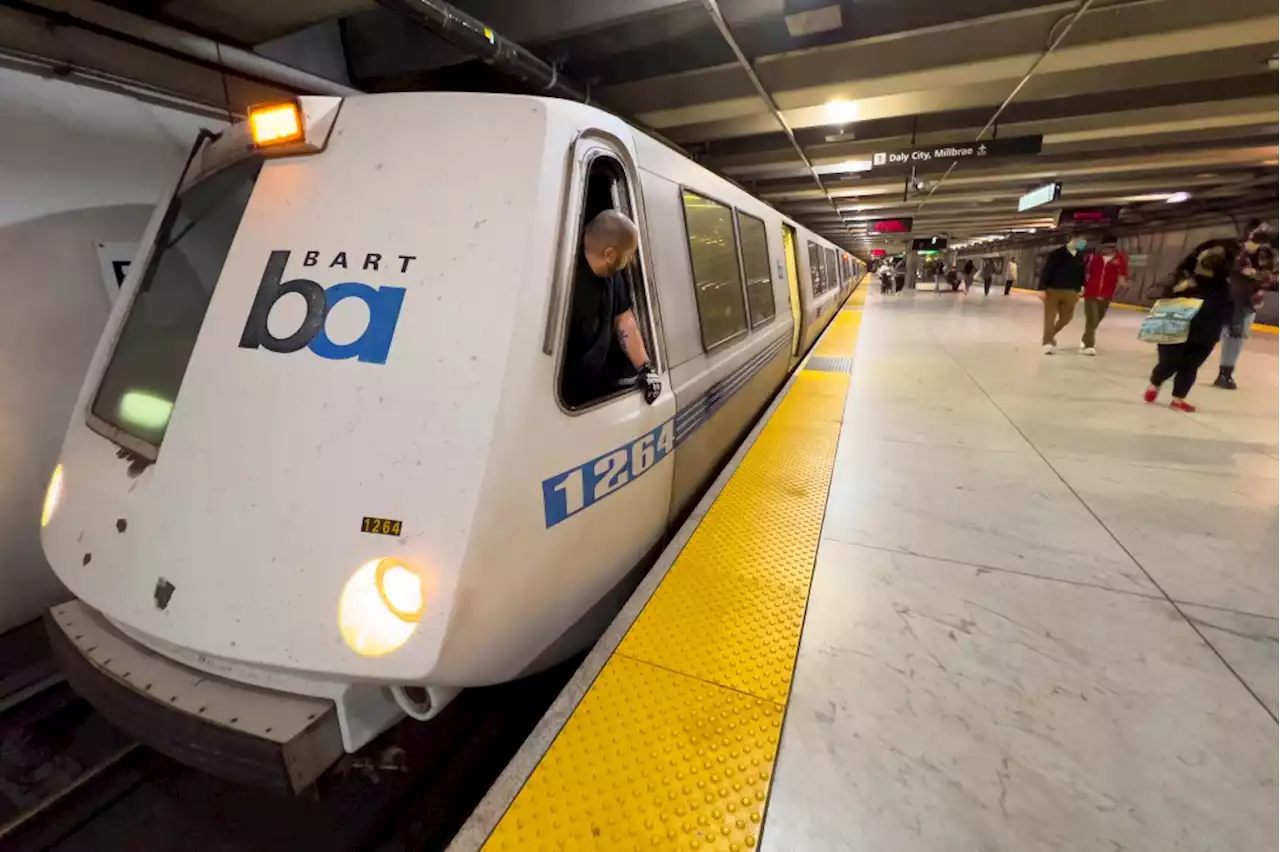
(275, 124)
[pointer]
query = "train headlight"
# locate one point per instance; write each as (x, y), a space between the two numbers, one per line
(52, 497)
(380, 607)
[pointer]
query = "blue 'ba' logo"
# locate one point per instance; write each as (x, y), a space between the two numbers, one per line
(373, 344)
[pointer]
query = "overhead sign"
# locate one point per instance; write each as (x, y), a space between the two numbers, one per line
(1014, 146)
(929, 244)
(890, 226)
(877, 252)
(113, 261)
(1087, 216)
(1037, 197)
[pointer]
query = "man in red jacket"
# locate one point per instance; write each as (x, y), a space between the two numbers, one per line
(1105, 270)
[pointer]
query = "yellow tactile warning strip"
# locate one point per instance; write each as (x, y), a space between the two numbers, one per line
(730, 609)
(674, 743)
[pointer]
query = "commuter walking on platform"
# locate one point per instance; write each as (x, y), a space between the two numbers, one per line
(899, 276)
(1010, 275)
(886, 277)
(1105, 271)
(1210, 268)
(988, 273)
(969, 269)
(1060, 282)
(1255, 272)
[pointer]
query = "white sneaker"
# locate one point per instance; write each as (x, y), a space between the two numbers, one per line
(1048, 348)
(1088, 350)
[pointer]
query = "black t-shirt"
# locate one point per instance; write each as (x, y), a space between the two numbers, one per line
(597, 303)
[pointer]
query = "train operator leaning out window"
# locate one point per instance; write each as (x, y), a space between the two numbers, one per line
(605, 348)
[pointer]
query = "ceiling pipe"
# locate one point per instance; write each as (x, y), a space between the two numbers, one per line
(461, 30)
(477, 38)
(713, 9)
(1053, 45)
(107, 21)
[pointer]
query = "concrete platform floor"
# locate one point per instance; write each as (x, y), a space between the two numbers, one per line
(1044, 613)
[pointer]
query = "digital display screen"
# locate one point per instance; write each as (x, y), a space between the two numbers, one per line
(929, 244)
(1088, 215)
(877, 252)
(1043, 195)
(890, 226)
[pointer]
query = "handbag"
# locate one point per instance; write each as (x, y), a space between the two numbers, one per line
(1169, 320)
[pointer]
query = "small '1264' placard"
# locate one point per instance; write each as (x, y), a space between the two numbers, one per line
(381, 526)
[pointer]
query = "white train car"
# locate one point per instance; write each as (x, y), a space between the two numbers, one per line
(370, 492)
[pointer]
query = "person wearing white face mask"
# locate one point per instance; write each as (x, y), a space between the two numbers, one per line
(1060, 282)
(1105, 272)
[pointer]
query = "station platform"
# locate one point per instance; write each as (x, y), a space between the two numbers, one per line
(951, 594)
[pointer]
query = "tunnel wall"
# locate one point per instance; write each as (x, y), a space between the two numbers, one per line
(1152, 259)
(78, 166)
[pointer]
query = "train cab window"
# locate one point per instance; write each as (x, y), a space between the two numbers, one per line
(717, 278)
(595, 366)
(755, 264)
(816, 270)
(140, 384)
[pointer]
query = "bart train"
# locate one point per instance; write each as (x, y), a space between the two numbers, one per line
(322, 471)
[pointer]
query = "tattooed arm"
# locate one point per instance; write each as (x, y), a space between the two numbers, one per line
(630, 339)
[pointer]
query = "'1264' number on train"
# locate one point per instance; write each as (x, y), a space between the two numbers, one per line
(568, 493)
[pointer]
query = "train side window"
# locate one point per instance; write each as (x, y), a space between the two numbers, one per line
(755, 264)
(815, 268)
(606, 189)
(717, 277)
(830, 256)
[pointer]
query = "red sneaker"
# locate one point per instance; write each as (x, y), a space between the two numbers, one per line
(1181, 405)
(1150, 394)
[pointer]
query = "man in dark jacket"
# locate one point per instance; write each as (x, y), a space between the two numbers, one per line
(1060, 283)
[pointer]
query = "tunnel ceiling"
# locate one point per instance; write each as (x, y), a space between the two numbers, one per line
(1139, 100)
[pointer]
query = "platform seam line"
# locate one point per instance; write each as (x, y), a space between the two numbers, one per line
(808, 597)
(1166, 596)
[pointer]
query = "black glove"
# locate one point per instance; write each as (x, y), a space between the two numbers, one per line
(647, 379)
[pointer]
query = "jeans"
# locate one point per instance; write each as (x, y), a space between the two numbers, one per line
(1008, 285)
(1233, 346)
(1094, 311)
(986, 285)
(1059, 308)
(1182, 361)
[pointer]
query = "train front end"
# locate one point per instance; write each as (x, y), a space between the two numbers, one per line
(271, 475)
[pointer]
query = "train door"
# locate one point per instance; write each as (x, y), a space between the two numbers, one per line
(609, 442)
(793, 285)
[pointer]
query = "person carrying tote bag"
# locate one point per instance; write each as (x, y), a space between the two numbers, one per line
(1202, 276)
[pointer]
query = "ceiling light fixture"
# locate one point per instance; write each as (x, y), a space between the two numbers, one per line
(841, 111)
(1177, 198)
(820, 20)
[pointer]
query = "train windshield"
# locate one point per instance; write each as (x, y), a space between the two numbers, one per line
(140, 385)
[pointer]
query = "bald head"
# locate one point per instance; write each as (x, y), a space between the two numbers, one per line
(609, 242)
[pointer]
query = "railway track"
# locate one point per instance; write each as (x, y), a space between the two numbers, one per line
(70, 782)
(60, 762)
